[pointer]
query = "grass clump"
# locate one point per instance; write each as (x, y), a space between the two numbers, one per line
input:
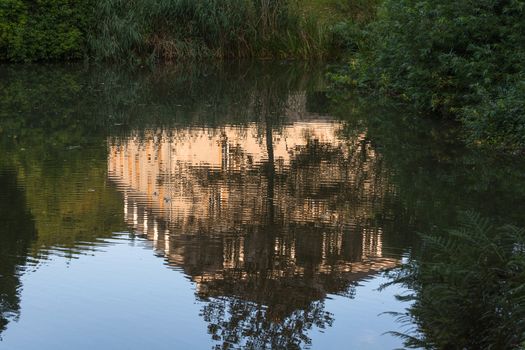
(186, 30)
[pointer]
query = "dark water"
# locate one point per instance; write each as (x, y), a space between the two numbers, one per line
(218, 207)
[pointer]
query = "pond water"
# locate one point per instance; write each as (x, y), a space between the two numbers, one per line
(218, 207)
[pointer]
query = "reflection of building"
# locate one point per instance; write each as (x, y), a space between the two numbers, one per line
(171, 170)
(218, 206)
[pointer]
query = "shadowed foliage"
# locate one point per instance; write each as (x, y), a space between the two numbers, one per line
(468, 288)
(460, 60)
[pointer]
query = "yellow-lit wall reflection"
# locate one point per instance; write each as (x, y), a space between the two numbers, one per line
(213, 199)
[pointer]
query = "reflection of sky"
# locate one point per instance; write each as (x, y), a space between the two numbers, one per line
(359, 323)
(121, 298)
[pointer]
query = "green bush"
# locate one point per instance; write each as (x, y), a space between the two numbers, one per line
(455, 58)
(346, 36)
(499, 119)
(43, 29)
(437, 52)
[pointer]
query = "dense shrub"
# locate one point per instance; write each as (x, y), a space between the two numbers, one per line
(437, 52)
(345, 21)
(499, 119)
(456, 58)
(43, 30)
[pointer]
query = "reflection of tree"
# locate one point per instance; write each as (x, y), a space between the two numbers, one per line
(273, 238)
(67, 195)
(270, 169)
(268, 301)
(239, 324)
(264, 241)
(16, 233)
(64, 104)
(433, 172)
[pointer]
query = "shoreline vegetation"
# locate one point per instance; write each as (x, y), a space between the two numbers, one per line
(152, 31)
(454, 60)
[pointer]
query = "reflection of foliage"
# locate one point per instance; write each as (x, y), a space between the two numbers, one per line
(40, 105)
(204, 95)
(434, 174)
(469, 288)
(71, 103)
(352, 171)
(237, 323)
(69, 197)
(54, 122)
(270, 300)
(16, 233)
(421, 176)
(58, 153)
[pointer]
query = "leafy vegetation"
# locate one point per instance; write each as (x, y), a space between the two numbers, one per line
(43, 30)
(474, 272)
(435, 177)
(459, 59)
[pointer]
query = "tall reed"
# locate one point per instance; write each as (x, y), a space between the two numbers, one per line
(168, 30)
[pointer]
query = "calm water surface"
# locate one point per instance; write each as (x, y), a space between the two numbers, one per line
(215, 207)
